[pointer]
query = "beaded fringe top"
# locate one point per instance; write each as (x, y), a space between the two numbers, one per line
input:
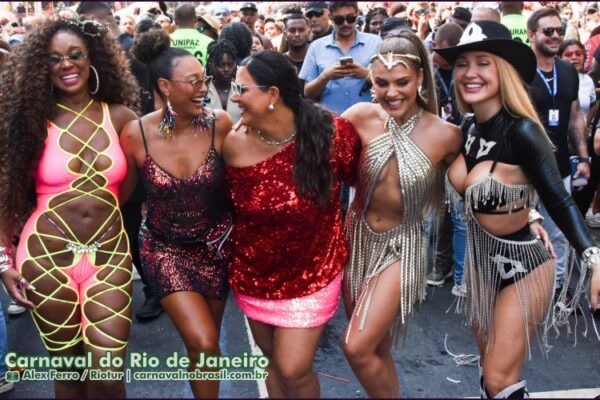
(373, 252)
(490, 258)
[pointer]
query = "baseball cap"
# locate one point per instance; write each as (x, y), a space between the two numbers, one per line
(317, 6)
(221, 10)
(248, 6)
(462, 14)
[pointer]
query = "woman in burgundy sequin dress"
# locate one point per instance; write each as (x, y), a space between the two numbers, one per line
(183, 238)
(285, 161)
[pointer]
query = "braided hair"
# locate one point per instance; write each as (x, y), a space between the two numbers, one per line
(216, 51)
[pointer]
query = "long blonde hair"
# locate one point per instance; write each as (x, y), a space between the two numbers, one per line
(513, 95)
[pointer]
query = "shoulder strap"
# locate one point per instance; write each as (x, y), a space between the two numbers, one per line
(143, 135)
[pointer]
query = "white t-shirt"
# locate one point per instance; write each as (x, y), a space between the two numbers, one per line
(587, 93)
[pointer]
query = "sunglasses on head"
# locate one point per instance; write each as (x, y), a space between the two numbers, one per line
(339, 19)
(317, 14)
(550, 31)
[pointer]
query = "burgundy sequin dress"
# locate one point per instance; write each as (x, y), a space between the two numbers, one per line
(183, 240)
(286, 246)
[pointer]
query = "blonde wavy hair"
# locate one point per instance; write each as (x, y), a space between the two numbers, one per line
(513, 94)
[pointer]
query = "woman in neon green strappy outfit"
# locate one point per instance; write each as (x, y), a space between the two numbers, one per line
(64, 98)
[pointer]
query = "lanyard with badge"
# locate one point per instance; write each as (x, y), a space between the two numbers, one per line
(553, 115)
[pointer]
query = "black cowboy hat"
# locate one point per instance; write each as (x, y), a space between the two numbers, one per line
(495, 38)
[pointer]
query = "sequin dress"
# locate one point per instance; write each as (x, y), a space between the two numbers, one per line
(183, 240)
(284, 245)
(372, 252)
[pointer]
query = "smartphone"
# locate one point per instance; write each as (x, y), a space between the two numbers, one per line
(346, 61)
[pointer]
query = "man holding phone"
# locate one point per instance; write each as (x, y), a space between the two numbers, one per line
(335, 67)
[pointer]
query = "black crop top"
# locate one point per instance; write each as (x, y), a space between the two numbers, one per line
(487, 141)
(525, 144)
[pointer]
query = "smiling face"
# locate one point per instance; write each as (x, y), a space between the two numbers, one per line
(396, 89)
(545, 44)
(477, 80)
(254, 101)
(69, 63)
(186, 88)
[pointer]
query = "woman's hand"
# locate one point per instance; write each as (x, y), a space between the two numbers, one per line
(14, 283)
(595, 287)
(541, 234)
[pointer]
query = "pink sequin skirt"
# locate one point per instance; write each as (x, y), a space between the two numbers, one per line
(302, 312)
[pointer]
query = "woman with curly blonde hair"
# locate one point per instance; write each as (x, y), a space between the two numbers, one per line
(60, 170)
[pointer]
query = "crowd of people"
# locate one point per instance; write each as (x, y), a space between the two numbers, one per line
(297, 154)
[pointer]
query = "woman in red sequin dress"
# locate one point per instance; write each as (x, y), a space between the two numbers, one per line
(183, 236)
(285, 162)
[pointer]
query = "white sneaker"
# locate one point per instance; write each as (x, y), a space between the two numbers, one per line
(15, 309)
(592, 220)
(135, 275)
(5, 385)
(459, 290)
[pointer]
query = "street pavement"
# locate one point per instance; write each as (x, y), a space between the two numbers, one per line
(424, 366)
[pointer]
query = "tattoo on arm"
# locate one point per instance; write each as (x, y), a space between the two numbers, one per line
(576, 130)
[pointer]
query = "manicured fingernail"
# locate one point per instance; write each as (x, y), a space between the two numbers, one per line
(31, 287)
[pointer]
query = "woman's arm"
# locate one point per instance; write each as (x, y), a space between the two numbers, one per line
(534, 153)
(133, 148)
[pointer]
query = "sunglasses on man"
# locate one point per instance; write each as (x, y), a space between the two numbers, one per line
(339, 19)
(317, 14)
(550, 31)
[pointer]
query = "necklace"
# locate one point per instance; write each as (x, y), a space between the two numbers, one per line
(273, 142)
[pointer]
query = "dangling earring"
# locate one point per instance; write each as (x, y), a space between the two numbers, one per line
(420, 94)
(271, 108)
(167, 123)
(203, 120)
(373, 98)
(97, 80)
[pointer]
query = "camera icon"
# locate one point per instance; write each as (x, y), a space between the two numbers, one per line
(12, 376)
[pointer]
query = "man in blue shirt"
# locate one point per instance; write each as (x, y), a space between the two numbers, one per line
(339, 85)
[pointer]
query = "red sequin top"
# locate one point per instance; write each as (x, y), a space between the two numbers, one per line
(286, 246)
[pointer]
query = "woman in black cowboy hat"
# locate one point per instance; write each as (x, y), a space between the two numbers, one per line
(506, 158)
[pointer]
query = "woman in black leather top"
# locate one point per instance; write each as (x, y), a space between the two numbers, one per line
(506, 158)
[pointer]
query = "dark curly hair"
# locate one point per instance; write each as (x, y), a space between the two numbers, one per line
(240, 35)
(314, 125)
(154, 49)
(216, 51)
(373, 12)
(25, 112)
